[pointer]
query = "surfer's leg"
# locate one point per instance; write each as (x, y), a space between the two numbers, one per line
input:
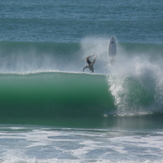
(94, 61)
(91, 68)
(85, 68)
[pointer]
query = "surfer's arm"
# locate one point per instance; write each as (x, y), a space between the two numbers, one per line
(94, 60)
(90, 56)
(85, 68)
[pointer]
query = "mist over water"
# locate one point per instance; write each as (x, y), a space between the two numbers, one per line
(135, 81)
(17, 57)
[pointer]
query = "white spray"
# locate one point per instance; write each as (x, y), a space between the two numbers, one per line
(136, 84)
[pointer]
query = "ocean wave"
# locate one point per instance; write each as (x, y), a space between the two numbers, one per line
(54, 94)
(46, 80)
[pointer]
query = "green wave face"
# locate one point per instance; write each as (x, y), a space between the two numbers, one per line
(54, 94)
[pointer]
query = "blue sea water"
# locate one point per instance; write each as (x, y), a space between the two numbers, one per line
(70, 21)
(50, 111)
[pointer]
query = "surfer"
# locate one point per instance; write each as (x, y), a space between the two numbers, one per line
(90, 64)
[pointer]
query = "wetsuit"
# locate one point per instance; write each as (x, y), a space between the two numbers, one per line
(90, 64)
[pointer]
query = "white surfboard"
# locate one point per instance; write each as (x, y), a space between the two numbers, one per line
(112, 50)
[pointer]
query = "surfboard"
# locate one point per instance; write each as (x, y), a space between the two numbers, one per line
(112, 50)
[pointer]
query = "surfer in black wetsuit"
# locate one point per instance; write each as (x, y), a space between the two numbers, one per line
(90, 64)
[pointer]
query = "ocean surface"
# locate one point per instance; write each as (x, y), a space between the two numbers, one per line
(51, 111)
